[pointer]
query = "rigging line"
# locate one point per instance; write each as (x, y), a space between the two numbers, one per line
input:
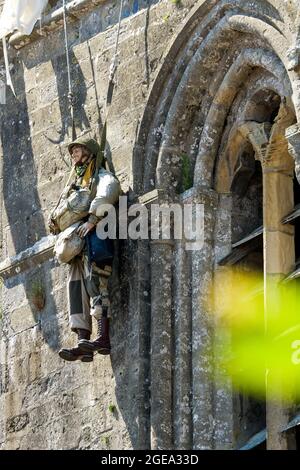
(111, 85)
(8, 76)
(110, 89)
(70, 92)
(67, 47)
(119, 26)
(114, 61)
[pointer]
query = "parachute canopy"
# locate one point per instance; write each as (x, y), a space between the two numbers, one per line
(20, 15)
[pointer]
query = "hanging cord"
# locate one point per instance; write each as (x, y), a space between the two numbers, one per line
(112, 72)
(114, 64)
(71, 103)
(113, 68)
(8, 76)
(2, 89)
(70, 92)
(65, 191)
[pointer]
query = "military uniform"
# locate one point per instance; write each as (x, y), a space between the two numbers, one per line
(88, 285)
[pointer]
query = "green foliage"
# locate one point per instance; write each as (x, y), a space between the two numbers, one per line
(105, 440)
(37, 294)
(187, 179)
(257, 350)
(112, 408)
(177, 3)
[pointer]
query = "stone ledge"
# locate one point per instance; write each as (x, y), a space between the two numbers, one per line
(42, 250)
(38, 253)
(150, 197)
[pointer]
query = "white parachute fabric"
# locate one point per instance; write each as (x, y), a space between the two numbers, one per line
(2, 92)
(8, 76)
(20, 15)
(2, 86)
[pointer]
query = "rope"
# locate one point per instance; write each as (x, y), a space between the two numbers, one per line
(110, 91)
(8, 76)
(109, 95)
(70, 92)
(113, 67)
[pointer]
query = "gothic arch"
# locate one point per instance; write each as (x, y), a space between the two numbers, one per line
(215, 55)
(228, 88)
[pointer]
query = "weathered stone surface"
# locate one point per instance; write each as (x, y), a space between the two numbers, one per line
(201, 87)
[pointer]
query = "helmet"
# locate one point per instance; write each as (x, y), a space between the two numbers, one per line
(91, 144)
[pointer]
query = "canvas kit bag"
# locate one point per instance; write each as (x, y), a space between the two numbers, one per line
(71, 209)
(68, 244)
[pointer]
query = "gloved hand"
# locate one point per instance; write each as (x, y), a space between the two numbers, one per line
(84, 229)
(54, 229)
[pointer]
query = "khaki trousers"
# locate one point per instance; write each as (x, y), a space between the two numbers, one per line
(87, 293)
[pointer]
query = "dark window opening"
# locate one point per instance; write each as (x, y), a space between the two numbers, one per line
(262, 446)
(247, 238)
(297, 222)
(297, 437)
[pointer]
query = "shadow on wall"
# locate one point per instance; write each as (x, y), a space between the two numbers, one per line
(130, 340)
(80, 93)
(21, 199)
(125, 354)
(26, 221)
(82, 123)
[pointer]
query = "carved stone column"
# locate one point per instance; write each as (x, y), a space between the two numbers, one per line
(182, 347)
(141, 312)
(279, 252)
(161, 345)
(224, 432)
(202, 326)
(161, 364)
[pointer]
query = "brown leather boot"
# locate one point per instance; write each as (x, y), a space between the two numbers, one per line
(77, 354)
(102, 343)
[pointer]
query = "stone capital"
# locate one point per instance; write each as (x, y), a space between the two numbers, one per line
(293, 137)
(269, 141)
(200, 195)
(258, 134)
